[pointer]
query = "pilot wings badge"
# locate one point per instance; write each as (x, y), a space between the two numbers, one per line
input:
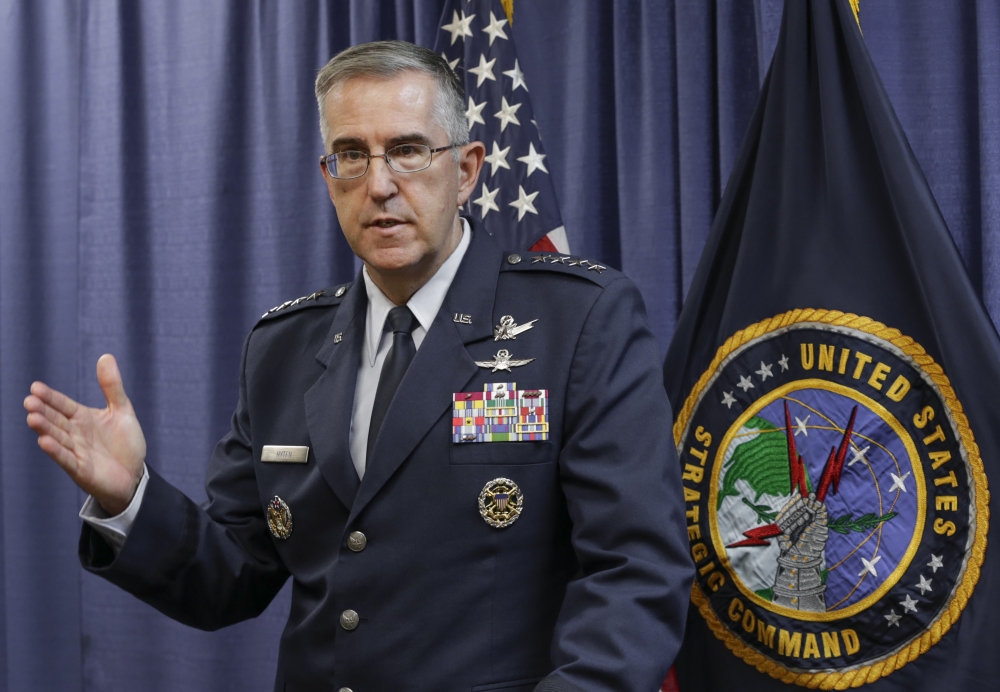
(509, 329)
(502, 361)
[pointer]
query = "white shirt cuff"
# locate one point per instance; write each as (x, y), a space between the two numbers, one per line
(115, 529)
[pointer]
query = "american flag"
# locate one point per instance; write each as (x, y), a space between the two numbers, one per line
(514, 198)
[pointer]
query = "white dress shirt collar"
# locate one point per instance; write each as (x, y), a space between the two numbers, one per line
(424, 304)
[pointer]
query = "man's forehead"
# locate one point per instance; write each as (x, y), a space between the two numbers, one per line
(409, 90)
(382, 107)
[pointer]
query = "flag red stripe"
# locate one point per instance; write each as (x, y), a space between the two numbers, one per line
(543, 245)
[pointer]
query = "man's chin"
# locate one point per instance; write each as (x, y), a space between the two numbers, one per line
(393, 262)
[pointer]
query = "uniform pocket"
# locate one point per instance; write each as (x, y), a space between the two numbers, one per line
(523, 685)
(502, 453)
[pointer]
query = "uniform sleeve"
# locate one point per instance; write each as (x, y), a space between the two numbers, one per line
(207, 568)
(622, 619)
(115, 529)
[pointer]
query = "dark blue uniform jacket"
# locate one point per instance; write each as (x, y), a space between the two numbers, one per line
(587, 590)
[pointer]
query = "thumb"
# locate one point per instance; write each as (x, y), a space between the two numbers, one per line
(110, 379)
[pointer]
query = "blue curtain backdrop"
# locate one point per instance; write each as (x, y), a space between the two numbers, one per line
(159, 191)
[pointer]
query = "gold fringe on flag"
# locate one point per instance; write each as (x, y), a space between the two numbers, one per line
(508, 7)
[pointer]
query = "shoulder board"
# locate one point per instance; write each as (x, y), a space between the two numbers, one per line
(565, 264)
(324, 298)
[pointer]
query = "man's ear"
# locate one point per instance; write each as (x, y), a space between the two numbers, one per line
(470, 162)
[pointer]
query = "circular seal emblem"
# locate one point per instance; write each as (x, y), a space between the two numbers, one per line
(279, 518)
(500, 502)
(836, 501)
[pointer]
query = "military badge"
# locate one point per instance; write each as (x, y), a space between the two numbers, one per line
(836, 501)
(503, 360)
(279, 518)
(292, 303)
(500, 413)
(509, 329)
(500, 503)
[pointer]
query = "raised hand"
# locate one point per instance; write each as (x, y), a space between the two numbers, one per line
(102, 450)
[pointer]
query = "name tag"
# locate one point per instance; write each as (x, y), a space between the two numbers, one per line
(287, 455)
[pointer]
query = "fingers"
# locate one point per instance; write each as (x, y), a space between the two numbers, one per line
(35, 405)
(43, 426)
(59, 454)
(110, 379)
(54, 441)
(57, 400)
(51, 425)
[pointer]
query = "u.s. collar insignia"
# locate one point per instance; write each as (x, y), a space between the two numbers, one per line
(837, 503)
(500, 502)
(509, 329)
(279, 518)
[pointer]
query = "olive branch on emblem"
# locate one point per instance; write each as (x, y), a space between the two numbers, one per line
(765, 515)
(862, 524)
(842, 525)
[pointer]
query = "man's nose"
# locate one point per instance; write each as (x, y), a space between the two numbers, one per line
(381, 178)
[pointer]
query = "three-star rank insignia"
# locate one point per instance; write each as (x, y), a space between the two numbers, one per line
(500, 502)
(500, 413)
(279, 518)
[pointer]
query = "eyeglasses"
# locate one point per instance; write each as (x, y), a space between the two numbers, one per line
(402, 158)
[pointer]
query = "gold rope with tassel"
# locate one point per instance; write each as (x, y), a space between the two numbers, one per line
(508, 7)
(855, 5)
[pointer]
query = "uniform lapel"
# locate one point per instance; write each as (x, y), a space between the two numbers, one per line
(330, 401)
(440, 368)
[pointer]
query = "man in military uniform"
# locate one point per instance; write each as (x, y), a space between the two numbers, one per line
(462, 458)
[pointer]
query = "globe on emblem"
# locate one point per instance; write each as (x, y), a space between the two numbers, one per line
(279, 518)
(500, 503)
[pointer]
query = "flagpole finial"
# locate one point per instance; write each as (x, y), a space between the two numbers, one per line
(508, 7)
(855, 7)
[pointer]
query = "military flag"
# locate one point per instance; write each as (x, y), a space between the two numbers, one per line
(834, 380)
(515, 200)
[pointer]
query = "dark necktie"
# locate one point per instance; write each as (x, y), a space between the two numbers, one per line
(402, 322)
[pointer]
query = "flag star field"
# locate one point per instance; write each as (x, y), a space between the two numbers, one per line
(514, 199)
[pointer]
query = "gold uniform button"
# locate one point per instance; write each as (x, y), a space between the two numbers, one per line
(357, 541)
(349, 620)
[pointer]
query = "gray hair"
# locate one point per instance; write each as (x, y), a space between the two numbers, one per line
(387, 59)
